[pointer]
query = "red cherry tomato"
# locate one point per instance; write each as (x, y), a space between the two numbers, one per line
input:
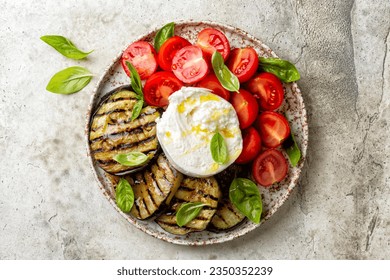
(243, 63)
(268, 90)
(159, 87)
(246, 107)
(269, 167)
(211, 82)
(251, 145)
(273, 128)
(211, 40)
(141, 55)
(188, 65)
(169, 49)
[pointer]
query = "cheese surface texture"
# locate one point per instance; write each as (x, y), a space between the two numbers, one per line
(185, 130)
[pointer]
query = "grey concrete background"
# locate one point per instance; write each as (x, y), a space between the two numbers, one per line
(50, 205)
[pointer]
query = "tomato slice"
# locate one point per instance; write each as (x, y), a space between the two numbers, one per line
(141, 55)
(168, 50)
(269, 167)
(211, 40)
(211, 82)
(188, 65)
(251, 145)
(243, 63)
(159, 87)
(246, 107)
(273, 128)
(268, 90)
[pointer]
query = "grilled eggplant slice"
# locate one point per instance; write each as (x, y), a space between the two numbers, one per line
(226, 217)
(113, 132)
(204, 190)
(153, 186)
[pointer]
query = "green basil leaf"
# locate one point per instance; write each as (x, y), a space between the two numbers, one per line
(218, 148)
(64, 46)
(245, 195)
(292, 150)
(227, 79)
(135, 80)
(124, 195)
(166, 32)
(131, 159)
(69, 80)
(283, 69)
(137, 109)
(187, 212)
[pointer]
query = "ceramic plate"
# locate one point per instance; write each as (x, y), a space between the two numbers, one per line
(293, 107)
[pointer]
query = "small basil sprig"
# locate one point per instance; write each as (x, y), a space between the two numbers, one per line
(124, 195)
(227, 79)
(245, 195)
(135, 80)
(187, 212)
(137, 87)
(137, 109)
(166, 32)
(131, 159)
(64, 46)
(292, 150)
(283, 69)
(218, 148)
(69, 80)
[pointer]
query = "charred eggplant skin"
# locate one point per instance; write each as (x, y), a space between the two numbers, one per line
(113, 132)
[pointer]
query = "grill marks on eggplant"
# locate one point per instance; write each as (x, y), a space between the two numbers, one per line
(121, 123)
(168, 221)
(204, 190)
(226, 217)
(113, 132)
(108, 148)
(153, 186)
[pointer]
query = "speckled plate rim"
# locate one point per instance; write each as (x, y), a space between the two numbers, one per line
(227, 236)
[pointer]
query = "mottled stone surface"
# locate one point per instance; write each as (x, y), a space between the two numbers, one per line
(50, 205)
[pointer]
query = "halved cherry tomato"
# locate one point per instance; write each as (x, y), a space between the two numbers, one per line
(251, 145)
(169, 49)
(268, 90)
(273, 128)
(159, 87)
(188, 65)
(246, 107)
(141, 55)
(243, 63)
(211, 40)
(269, 167)
(211, 82)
